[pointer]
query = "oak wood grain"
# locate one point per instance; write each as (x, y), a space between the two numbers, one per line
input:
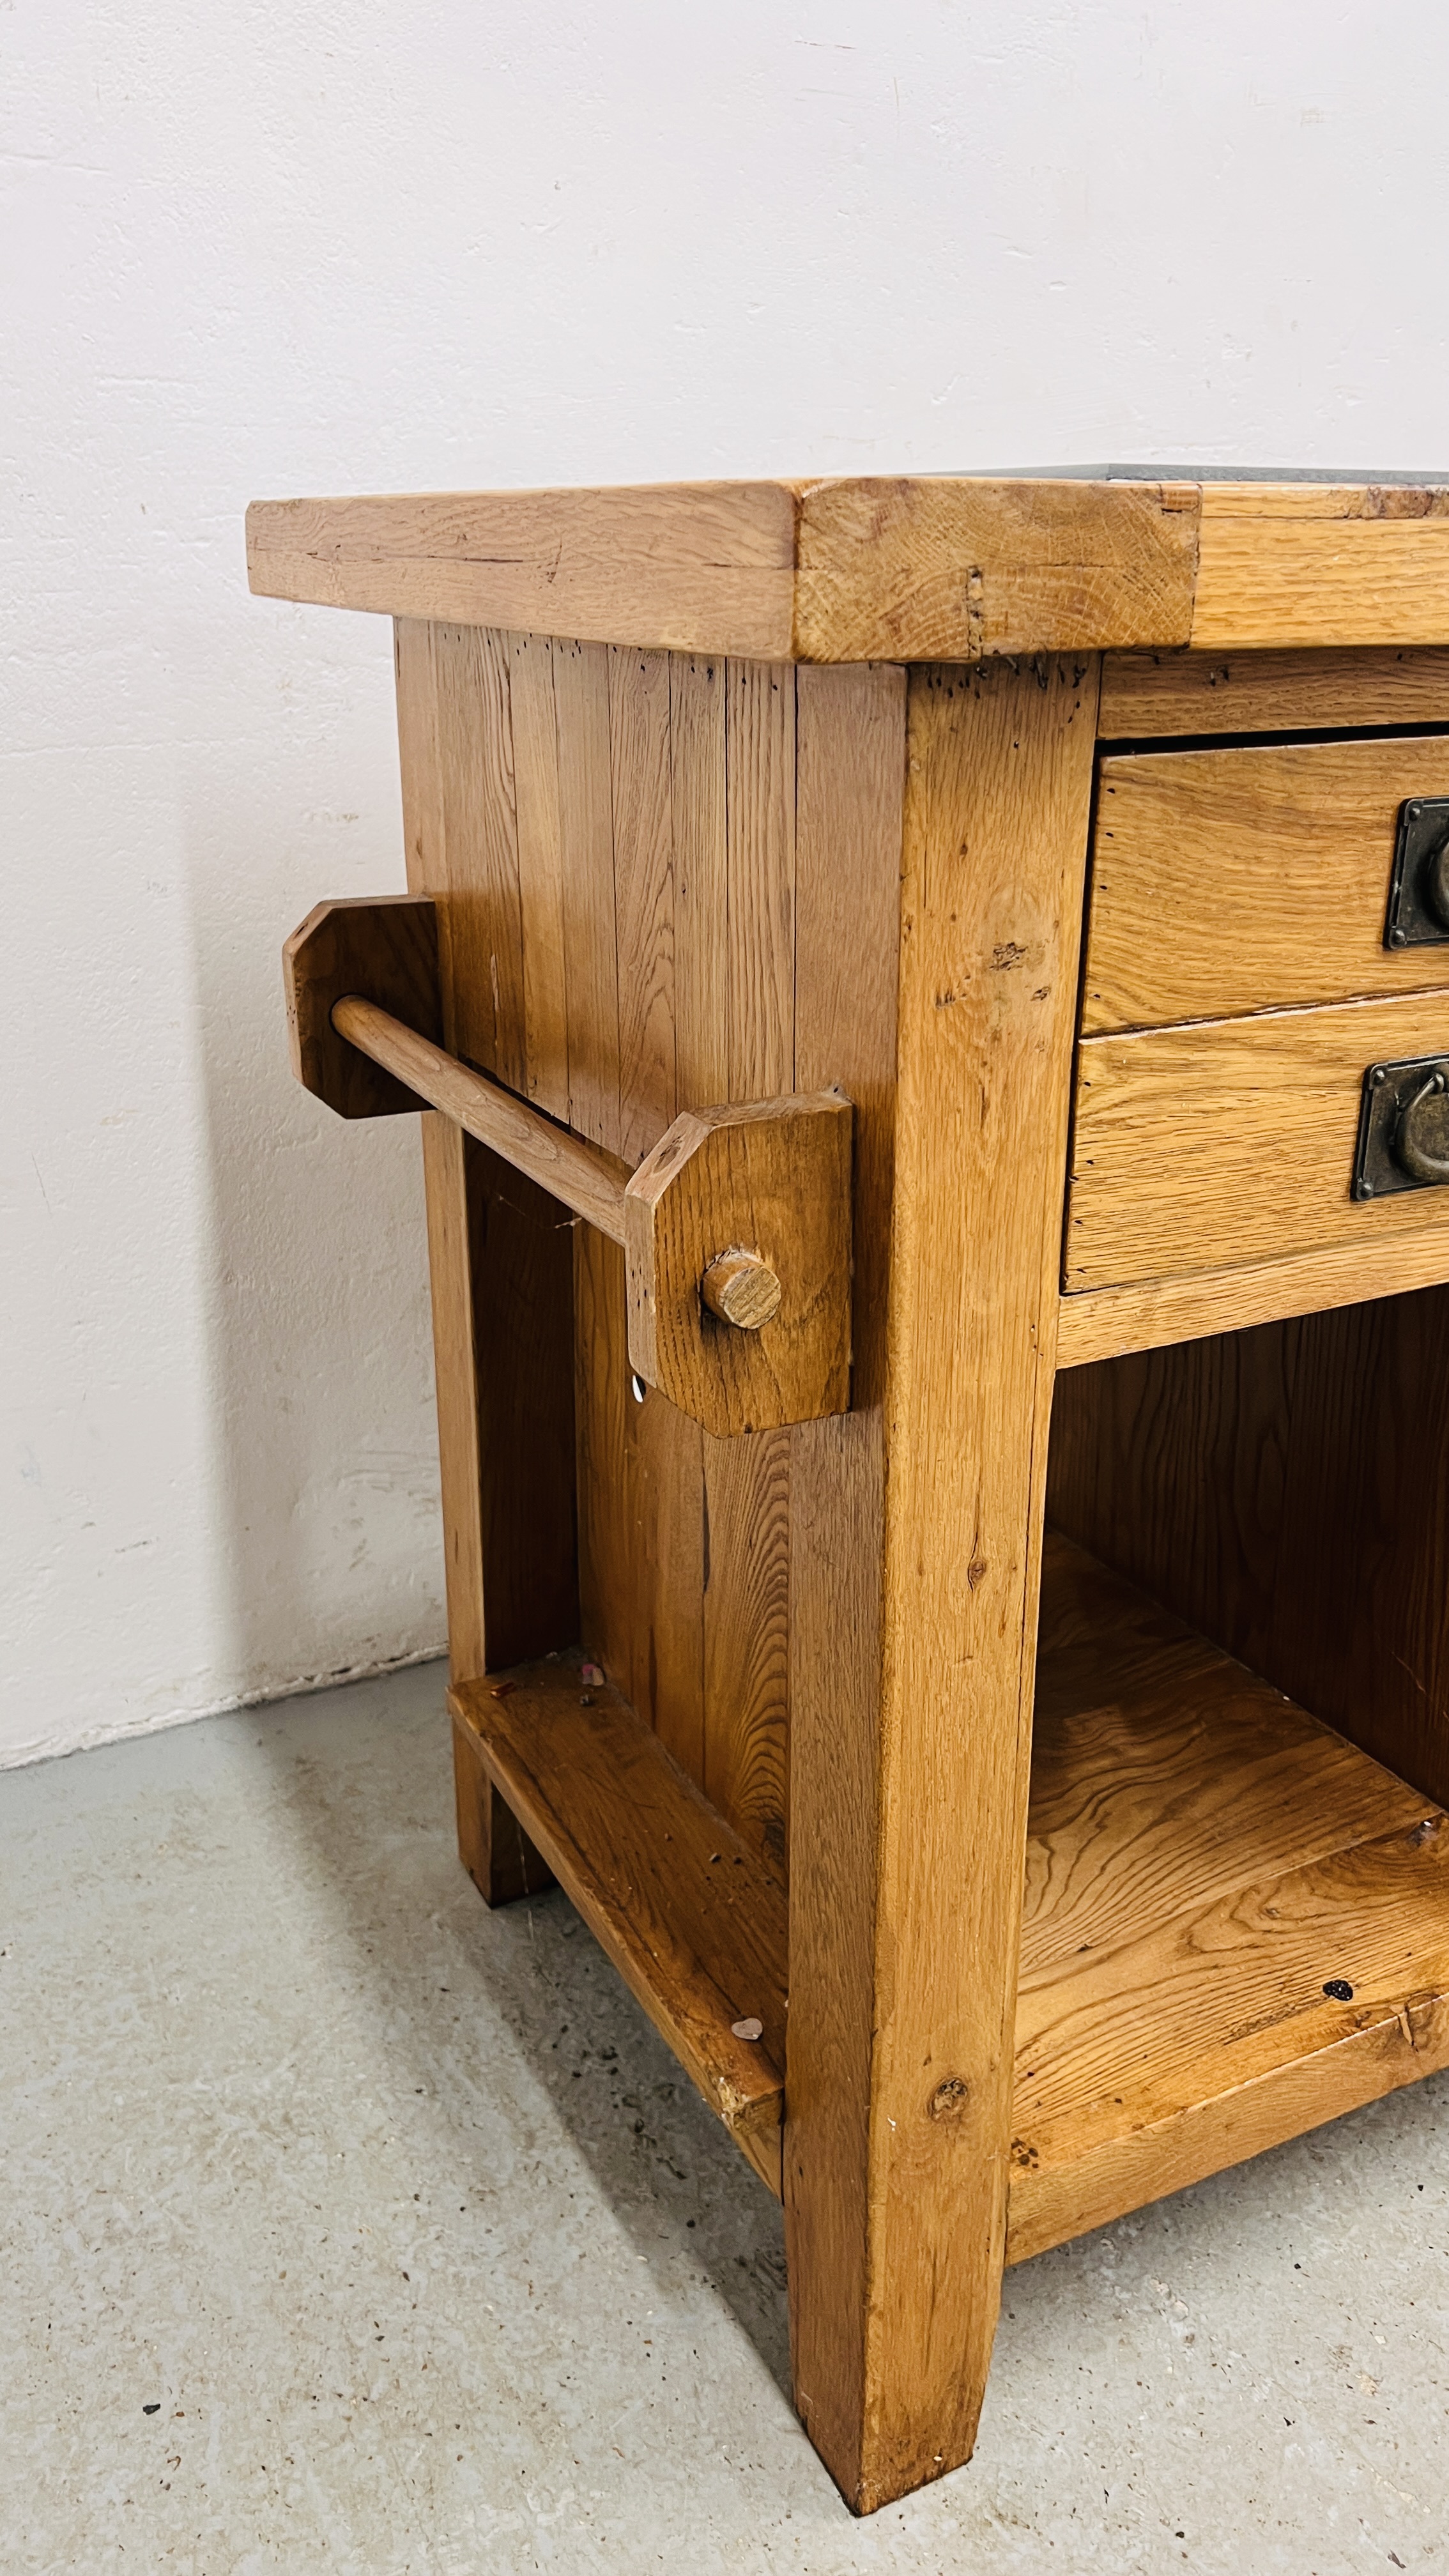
(500, 1271)
(898, 567)
(930, 567)
(747, 1541)
(591, 938)
(1360, 1617)
(851, 772)
(902, 567)
(484, 939)
(1232, 1141)
(1316, 564)
(1162, 1763)
(695, 1928)
(665, 1502)
(1173, 1466)
(1100, 1323)
(746, 1638)
(514, 1444)
(1204, 1858)
(707, 565)
(1284, 1489)
(994, 849)
(601, 1404)
(540, 871)
(697, 695)
(1242, 879)
(643, 896)
(1272, 692)
(385, 946)
(760, 839)
(492, 1845)
(771, 1179)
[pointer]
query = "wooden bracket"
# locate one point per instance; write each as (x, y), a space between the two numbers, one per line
(744, 1212)
(385, 946)
(736, 1228)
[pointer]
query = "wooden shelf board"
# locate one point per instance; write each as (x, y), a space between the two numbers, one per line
(671, 1893)
(1203, 1858)
(1148, 1314)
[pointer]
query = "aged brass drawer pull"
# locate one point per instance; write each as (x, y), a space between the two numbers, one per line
(1403, 1128)
(1419, 886)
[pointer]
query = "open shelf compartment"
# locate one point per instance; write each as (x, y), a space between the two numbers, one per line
(1208, 1869)
(1236, 1924)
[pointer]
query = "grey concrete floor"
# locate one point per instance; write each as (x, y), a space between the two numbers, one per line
(346, 2226)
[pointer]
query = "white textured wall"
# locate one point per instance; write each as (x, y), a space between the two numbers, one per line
(314, 247)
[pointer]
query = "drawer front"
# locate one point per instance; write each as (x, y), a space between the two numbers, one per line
(1251, 879)
(1232, 1142)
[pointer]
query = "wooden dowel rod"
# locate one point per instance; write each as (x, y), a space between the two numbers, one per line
(569, 1170)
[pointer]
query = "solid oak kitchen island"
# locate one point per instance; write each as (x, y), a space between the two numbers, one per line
(930, 998)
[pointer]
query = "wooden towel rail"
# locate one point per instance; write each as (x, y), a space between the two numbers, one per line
(736, 1229)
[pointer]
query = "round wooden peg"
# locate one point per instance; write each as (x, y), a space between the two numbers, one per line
(741, 1289)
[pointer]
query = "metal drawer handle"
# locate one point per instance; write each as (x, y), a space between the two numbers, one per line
(1418, 914)
(1403, 1128)
(1413, 1135)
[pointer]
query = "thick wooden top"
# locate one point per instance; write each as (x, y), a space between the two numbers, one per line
(905, 568)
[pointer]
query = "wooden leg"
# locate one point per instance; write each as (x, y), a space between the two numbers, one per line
(917, 1538)
(501, 1255)
(492, 1845)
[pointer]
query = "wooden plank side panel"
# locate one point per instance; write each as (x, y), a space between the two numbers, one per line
(1347, 689)
(697, 695)
(760, 829)
(1242, 879)
(586, 827)
(998, 789)
(540, 872)
(746, 1567)
(1232, 1141)
(475, 772)
(643, 896)
(667, 1518)
(640, 1466)
(746, 1481)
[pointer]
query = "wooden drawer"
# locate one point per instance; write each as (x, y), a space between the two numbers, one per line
(1231, 1142)
(1244, 879)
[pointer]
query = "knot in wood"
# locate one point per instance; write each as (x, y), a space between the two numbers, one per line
(742, 1290)
(949, 2099)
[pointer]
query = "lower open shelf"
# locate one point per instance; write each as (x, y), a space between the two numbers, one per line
(690, 1920)
(1205, 1862)
(1236, 1924)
